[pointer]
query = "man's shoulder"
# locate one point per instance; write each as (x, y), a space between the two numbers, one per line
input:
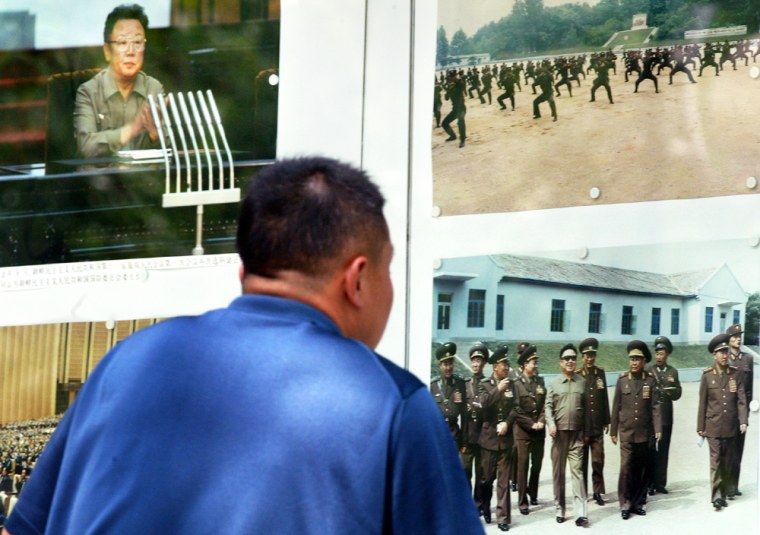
(405, 382)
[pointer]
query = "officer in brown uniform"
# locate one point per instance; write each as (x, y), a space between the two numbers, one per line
(515, 372)
(635, 421)
(567, 421)
(528, 413)
(474, 417)
(598, 408)
(721, 417)
(497, 398)
(449, 392)
(668, 390)
(743, 363)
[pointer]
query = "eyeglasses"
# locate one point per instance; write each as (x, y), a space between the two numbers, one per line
(122, 45)
(570, 357)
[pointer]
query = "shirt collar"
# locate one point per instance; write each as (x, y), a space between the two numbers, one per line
(110, 88)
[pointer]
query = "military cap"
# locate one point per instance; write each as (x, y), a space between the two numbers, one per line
(479, 349)
(637, 348)
(589, 345)
(501, 353)
(446, 351)
(521, 347)
(735, 329)
(718, 342)
(527, 354)
(662, 342)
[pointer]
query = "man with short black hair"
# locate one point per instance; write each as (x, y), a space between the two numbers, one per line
(325, 435)
(449, 391)
(567, 422)
(721, 418)
(598, 409)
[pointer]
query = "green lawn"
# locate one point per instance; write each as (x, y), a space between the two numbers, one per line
(630, 38)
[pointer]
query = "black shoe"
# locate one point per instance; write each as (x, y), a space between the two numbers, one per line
(560, 519)
(533, 501)
(513, 486)
(723, 502)
(598, 499)
(626, 514)
(487, 514)
(554, 118)
(451, 138)
(737, 492)
(718, 504)
(524, 511)
(639, 511)
(536, 116)
(652, 492)
(581, 521)
(662, 490)
(504, 527)
(461, 144)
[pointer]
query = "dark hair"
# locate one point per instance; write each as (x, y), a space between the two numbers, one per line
(124, 12)
(301, 214)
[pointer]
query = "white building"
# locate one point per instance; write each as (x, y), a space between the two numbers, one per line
(507, 297)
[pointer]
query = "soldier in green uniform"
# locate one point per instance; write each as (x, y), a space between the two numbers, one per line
(668, 390)
(474, 418)
(530, 435)
(545, 81)
(708, 58)
(449, 392)
(455, 89)
(507, 81)
(743, 363)
(497, 399)
(721, 416)
(598, 408)
(602, 67)
(567, 422)
(635, 422)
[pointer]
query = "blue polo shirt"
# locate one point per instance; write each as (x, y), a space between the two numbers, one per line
(259, 418)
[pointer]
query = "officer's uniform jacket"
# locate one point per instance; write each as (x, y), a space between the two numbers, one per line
(597, 401)
(474, 412)
(566, 403)
(668, 390)
(443, 392)
(497, 407)
(722, 403)
(743, 363)
(635, 413)
(529, 408)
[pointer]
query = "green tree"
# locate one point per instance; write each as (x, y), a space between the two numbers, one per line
(459, 43)
(752, 320)
(442, 49)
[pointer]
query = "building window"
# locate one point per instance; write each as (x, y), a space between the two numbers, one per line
(476, 309)
(627, 325)
(558, 315)
(500, 312)
(444, 311)
(675, 319)
(737, 316)
(595, 317)
(655, 321)
(708, 319)
(723, 317)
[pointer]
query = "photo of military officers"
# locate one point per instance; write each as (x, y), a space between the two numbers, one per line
(668, 389)
(635, 425)
(722, 419)
(496, 438)
(529, 432)
(568, 421)
(598, 410)
(744, 364)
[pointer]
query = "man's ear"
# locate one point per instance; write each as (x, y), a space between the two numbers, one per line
(107, 52)
(241, 272)
(354, 281)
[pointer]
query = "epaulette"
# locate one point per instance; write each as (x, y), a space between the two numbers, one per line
(485, 380)
(624, 374)
(707, 369)
(468, 379)
(599, 368)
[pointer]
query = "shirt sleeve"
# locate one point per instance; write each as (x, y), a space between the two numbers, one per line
(428, 491)
(93, 138)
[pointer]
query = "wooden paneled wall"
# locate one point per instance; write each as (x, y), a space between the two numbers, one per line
(38, 361)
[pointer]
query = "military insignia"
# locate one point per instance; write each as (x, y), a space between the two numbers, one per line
(732, 385)
(671, 379)
(508, 394)
(539, 390)
(599, 383)
(646, 393)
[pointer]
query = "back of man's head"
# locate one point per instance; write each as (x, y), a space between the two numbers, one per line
(306, 214)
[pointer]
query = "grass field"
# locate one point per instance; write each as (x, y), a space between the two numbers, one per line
(629, 38)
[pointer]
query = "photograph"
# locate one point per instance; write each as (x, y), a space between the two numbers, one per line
(131, 132)
(550, 103)
(510, 331)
